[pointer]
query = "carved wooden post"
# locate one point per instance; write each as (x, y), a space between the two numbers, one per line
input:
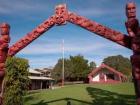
(4, 43)
(133, 30)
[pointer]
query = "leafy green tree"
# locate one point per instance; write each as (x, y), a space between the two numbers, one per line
(92, 65)
(80, 68)
(57, 71)
(76, 68)
(68, 69)
(17, 81)
(119, 63)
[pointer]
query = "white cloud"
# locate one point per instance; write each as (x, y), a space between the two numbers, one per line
(21, 5)
(98, 12)
(42, 63)
(55, 47)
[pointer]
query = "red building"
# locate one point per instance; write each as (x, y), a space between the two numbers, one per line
(106, 74)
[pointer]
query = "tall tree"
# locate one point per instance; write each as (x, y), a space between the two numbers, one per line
(80, 68)
(57, 71)
(17, 81)
(119, 63)
(76, 68)
(92, 65)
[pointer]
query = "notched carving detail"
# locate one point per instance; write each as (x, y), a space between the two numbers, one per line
(61, 14)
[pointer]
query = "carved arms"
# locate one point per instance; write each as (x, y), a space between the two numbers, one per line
(60, 17)
(22, 43)
(99, 29)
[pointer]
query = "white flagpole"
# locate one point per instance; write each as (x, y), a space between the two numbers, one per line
(63, 63)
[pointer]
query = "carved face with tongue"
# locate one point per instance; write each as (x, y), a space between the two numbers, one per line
(131, 10)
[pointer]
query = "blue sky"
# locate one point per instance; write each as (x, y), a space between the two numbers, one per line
(25, 15)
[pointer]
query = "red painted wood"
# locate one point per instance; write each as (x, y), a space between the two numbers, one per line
(31, 36)
(100, 30)
(4, 44)
(133, 29)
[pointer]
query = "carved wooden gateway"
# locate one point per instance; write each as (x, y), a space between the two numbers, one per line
(62, 15)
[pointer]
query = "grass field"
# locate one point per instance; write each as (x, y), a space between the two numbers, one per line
(84, 94)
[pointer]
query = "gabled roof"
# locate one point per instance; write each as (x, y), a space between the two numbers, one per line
(43, 70)
(34, 71)
(108, 68)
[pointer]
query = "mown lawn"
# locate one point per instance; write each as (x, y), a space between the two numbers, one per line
(84, 94)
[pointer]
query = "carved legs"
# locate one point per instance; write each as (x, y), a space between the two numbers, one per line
(2, 91)
(135, 59)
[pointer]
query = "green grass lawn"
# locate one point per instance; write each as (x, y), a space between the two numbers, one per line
(84, 94)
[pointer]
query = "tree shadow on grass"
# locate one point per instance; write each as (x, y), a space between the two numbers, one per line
(28, 98)
(103, 97)
(67, 100)
(99, 96)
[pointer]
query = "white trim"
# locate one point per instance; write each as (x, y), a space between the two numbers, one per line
(39, 78)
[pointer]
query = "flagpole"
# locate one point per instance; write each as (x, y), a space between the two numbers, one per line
(63, 63)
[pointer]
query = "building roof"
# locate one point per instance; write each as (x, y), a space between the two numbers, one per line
(39, 78)
(108, 68)
(43, 70)
(34, 71)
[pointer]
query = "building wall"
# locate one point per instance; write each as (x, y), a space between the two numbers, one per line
(40, 84)
(35, 84)
(96, 78)
(117, 78)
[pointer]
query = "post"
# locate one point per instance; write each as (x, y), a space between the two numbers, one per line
(63, 78)
(120, 79)
(133, 30)
(41, 84)
(4, 44)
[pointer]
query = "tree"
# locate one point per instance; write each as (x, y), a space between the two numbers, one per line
(17, 81)
(92, 65)
(76, 68)
(119, 63)
(57, 71)
(80, 68)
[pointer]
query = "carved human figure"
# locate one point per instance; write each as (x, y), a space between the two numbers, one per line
(132, 26)
(133, 30)
(4, 43)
